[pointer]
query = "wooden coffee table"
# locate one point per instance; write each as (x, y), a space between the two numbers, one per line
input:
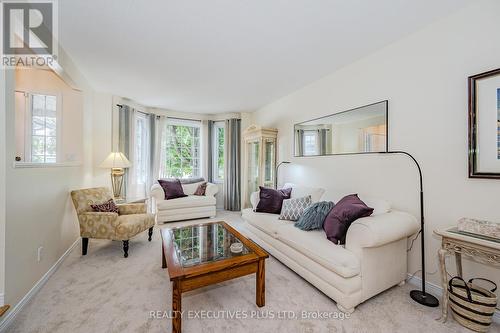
(199, 255)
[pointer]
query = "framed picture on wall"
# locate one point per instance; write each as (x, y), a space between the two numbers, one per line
(484, 125)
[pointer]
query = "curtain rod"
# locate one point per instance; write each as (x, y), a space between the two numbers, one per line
(121, 105)
(177, 118)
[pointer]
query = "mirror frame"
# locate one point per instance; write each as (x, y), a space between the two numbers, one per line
(385, 102)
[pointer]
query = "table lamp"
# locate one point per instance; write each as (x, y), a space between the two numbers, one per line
(117, 162)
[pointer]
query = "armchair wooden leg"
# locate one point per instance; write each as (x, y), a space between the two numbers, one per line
(150, 233)
(85, 246)
(125, 248)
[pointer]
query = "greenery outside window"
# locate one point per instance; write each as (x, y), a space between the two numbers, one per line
(218, 152)
(182, 149)
(43, 128)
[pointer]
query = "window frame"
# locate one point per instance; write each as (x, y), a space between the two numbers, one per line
(215, 151)
(311, 133)
(28, 128)
(186, 123)
(140, 116)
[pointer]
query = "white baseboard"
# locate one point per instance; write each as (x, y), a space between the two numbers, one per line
(10, 316)
(438, 292)
(2, 300)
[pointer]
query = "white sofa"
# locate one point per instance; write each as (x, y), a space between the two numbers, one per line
(186, 208)
(372, 260)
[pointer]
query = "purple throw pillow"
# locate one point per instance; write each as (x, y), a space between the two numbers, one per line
(107, 207)
(271, 200)
(347, 210)
(172, 188)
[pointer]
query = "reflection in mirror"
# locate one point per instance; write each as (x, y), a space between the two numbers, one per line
(360, 130)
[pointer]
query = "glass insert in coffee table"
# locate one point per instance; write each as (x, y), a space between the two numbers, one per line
(205, 243)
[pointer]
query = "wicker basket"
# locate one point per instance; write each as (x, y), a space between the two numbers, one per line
(472, 306)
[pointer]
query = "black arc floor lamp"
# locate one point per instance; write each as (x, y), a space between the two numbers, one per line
(276, 173)
(419, 296)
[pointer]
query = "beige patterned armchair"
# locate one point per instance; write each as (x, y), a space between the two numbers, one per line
(130, 220)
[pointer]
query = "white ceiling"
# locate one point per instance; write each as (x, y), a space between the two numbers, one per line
(213, 56)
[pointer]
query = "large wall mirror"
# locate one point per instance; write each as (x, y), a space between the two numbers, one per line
(356, 131)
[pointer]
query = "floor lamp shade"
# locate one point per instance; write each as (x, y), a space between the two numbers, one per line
(117, 162)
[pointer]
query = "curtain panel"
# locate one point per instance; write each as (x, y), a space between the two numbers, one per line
(232, 174)
(210, 151)
(124, 145)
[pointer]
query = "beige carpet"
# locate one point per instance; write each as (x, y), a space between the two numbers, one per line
(104, 292)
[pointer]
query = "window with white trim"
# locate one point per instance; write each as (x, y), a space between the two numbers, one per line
(141, 153)
(182, 149)
(42, 129)
(218, 133)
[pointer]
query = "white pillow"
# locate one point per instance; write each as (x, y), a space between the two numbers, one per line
(316, 193)
(380, 206)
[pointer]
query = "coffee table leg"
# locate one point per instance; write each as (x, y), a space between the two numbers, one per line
(261, 284)
(163, 260)
(176, 307)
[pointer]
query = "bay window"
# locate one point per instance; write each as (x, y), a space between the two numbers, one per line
(182, 149)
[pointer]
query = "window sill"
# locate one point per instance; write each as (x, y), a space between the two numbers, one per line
(46, 165)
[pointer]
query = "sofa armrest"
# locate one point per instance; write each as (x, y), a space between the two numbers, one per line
(157, 192)
(377, 230)
(132, 208)
(211, 190)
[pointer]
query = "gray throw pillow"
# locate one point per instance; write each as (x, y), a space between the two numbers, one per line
(293, 208)
(314, 216)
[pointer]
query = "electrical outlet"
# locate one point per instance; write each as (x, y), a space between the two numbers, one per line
(39, 253)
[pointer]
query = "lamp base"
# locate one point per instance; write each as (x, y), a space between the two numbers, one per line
(424, 299)
(117, 182)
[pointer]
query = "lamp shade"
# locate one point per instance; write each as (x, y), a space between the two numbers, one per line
(115, 160)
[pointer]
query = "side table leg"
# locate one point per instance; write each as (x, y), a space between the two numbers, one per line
(176, 307)
(444, 284)
(261, 284)
(458, 261)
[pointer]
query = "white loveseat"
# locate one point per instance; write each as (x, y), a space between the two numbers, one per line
(186, 208)
(372, 260)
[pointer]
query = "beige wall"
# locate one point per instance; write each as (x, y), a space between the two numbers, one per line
(38, 210)
(2, 182)
(424, 77)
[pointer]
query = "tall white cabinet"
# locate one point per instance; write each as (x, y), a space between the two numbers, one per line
(260, 146)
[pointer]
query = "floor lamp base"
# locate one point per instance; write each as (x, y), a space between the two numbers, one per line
(424, 299)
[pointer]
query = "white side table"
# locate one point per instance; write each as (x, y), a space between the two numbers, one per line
(454, 242)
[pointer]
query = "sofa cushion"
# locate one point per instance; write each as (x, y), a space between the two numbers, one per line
(271, 200)
(173, 189)
(316, 193)
(347, 210)
(316, 247)
(265, 222)
(131, 225)
(380, 206)
(314, 216)
(292, 209)
(312, 244)
(106, 207)
(186, 202)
